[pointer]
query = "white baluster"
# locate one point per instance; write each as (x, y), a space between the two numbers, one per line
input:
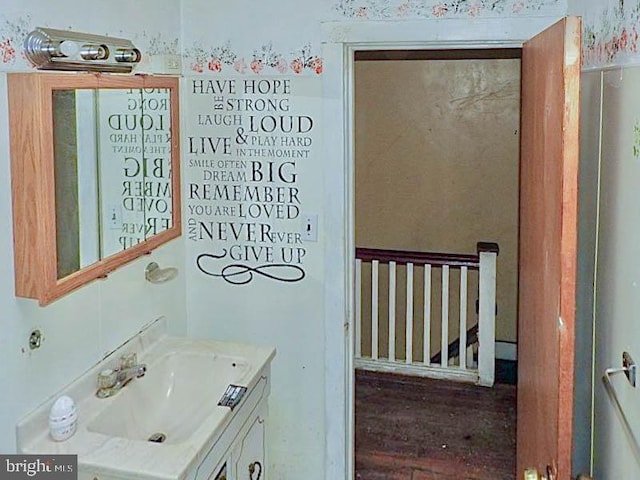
(374, 309)
(358, 309)
(462, 346)
(392, 311)
(409, 321)
(487, 319)
(426, 356)
(444, 348)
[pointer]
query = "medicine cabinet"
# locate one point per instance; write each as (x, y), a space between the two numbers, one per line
(95, 175)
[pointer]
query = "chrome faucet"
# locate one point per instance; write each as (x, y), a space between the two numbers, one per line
(112, 381)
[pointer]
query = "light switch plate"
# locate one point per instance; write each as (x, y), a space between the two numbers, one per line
(115, 217)
(309, 227)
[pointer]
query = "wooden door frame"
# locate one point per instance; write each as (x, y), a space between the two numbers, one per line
(342, 40)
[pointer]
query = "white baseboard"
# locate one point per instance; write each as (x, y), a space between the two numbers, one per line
(506, 351)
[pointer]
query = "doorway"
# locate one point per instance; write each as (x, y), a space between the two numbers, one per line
(436, 170)
(550, 96)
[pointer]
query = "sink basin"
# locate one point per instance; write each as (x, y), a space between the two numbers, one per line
(176, 401)
(172, 400)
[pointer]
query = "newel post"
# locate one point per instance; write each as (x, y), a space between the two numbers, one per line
(487, 253)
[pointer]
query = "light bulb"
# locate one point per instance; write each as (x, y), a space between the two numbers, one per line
(69, 48)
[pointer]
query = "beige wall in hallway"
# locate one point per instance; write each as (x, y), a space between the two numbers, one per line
(437, 148)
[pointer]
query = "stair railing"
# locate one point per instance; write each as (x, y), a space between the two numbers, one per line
(377, 350)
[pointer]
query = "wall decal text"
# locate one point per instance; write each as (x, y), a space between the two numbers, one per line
(247, 141)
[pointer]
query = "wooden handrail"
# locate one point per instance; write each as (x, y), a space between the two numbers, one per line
(418, 258)
(403, 257)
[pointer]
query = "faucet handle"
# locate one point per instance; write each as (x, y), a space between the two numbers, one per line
(128, 360)
(107, 378)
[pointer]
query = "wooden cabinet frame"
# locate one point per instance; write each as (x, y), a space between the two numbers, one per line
(33, 182)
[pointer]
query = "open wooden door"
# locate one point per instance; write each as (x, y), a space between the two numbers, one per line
(548, 249)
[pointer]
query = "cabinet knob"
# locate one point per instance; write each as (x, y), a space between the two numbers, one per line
(253, 467)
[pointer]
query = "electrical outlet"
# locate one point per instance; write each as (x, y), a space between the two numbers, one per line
(310, 227)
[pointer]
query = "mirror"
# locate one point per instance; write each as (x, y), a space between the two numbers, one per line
(112, 168)
(95, 175)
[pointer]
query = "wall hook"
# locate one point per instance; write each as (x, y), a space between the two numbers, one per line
(154, 274)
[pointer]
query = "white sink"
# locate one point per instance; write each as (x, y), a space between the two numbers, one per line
(177, 397)
(178, 392)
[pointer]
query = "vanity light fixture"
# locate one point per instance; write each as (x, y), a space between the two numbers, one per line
(50, 49)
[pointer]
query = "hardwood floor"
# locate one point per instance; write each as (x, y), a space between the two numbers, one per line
(411, 428)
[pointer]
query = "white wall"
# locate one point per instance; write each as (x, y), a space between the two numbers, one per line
(251, 41)
(304, 320)
(617, 421)
(587, 237)
(80, 328)
(610, 31)
(265, 308)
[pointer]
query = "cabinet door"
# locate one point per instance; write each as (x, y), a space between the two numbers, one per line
(249, 454)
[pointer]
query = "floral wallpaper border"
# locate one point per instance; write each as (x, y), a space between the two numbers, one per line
(611, 34)
(14, 31)
(199, 59)
(425, 9)
(265, 60)
(12, 35)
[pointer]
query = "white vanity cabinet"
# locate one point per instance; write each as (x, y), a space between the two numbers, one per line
(245, 460)
(243, 442)
(248, 456)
